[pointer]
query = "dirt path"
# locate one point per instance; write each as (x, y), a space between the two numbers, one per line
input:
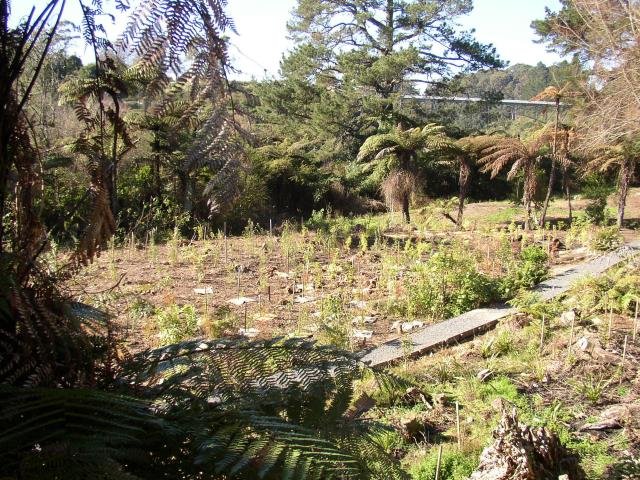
(476, 321)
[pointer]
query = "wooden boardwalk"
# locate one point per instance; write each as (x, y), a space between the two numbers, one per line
(476, 321)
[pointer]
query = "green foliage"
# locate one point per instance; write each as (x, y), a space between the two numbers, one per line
(447, 284)
(605, 239)
(335, 323)
(74, 433)
(454, 465)
(532, 304)
(592, 387)
(248, 410)
(527, 270)
(141, 308)
(176, 323)
(498, 345)
(340, 228)
(222, 321)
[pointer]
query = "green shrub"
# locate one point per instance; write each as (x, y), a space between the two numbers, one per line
(141, 308)
(176, 323)
(528, 270)
(454, 465)
(335, 325)
(532, 304)
(597, 189)
(605, 239)
(220, 322)
(595, 211)
(447, 284)
(497, 346)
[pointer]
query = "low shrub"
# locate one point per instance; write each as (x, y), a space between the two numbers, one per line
(529, 269)
(176, 323)
(220, 322)
(605, 239)
(454, 465)
(447, 284)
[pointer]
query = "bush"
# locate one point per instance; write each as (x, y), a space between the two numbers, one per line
(454, 466)
(605, 239)
(597, 189)
(448, 284)
(222, 321)
(176, 323)
(528, 270)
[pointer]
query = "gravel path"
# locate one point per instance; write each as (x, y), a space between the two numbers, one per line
(482, 319)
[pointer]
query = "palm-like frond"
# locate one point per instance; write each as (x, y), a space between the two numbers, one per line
(266, 409)
(496, 152)
(70, 432)
(376, 143)
(280, 404)
(607, 158)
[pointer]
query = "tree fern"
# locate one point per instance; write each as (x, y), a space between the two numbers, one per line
(392, 159)
(522, 157)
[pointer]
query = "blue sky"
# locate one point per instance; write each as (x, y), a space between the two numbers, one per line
(262, 34)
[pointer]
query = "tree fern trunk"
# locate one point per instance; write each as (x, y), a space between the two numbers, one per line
(465, 175)
(405, 209)
(547, 198)
(567, 192)
(552, 174)
(624, 179)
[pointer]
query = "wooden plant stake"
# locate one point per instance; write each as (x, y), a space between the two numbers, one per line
(439, 462)
(226, 249)
(269, 293)
(610, 326)
(573, 321)
(542, 335)
(270, 228)
(624, 355)
(635, 323)
(245, 318)
(458, 425)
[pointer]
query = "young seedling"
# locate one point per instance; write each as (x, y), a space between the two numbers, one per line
(226, 248)
(573, 321)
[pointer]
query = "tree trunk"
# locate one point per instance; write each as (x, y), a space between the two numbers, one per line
(463, 181)
(528, 190)
(157, 187)
(625, 178)
(527, 208)
(114, 187)
(547, 198)
(405, 209)
(389, 27)
(567, 192)
(552, 174)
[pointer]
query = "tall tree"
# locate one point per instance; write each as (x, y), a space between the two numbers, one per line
(554, 93)
(383, 45)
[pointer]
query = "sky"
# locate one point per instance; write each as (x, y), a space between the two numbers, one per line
(262, 35)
